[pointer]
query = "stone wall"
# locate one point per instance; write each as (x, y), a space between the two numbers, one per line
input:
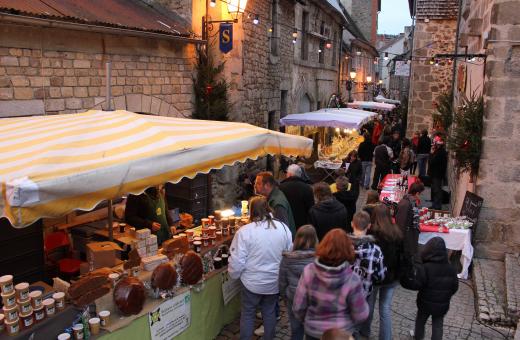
(50, 71)
(428, 81)
(498, 181)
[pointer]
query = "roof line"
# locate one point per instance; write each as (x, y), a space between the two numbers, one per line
(44, 22)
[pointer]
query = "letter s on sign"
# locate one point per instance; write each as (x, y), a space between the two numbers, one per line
(225, 36)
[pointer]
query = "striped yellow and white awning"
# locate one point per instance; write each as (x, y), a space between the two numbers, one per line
(52, 165)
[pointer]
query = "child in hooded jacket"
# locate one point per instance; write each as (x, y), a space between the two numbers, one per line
(329, 295)
(438, 282)
(291, 268)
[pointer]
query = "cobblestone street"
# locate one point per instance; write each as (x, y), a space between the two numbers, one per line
(459, 323)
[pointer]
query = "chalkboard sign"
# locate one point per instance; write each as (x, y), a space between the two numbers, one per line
(471, 207)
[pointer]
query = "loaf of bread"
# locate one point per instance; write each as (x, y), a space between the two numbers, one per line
(86, 284)
(134, 259)
(164, 277)
(129, 296)
(91, 295)
(191, 268)
(177, 245)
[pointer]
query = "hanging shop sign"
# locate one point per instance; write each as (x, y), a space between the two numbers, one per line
(226, 37)
(171, 318)
(402, 68)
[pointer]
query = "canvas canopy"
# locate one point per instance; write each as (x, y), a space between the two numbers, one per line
(344, 118)
(371, 106)
(382, 99)
(53, 165)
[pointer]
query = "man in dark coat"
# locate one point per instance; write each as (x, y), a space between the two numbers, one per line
(299, 194)
(407, 218)
(438, 282)
(437, 171)
(423, 150)
(348, 198)
(382, 158)
(366, 154)
(327, 213)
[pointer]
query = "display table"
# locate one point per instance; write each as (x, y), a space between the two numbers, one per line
(329, 167)
(209, 316)
(456, 239)
(390, 189)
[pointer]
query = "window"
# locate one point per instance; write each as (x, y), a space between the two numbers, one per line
(304, 42)
(275, 35)
(283, 103)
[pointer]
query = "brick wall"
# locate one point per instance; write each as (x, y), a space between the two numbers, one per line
(428, 81)
(52, 73)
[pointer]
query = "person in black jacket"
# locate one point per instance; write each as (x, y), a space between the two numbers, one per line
(423, 151)
(348, 198)
(354, 170)
(327, 213)
(366, 155)
(299, 194)
(438, 282)
(407, 218)
(437, 171)
(382, 158)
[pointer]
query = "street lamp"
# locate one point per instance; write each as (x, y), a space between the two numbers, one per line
(369, 79)
(236, 7)
(351, 81)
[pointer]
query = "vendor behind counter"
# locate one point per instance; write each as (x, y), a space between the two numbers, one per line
(150, 210)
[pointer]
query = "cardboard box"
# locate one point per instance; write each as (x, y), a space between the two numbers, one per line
(103, 254)
(143, 234)
(152, 239)
(139, 243)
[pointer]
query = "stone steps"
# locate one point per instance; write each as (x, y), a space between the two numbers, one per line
(489, 277)
(512, 271)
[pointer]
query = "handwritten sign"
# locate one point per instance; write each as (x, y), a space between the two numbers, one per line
(230, 287)
(171, 318)
(471, 206)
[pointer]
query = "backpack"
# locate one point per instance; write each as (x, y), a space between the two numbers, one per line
(409, 277)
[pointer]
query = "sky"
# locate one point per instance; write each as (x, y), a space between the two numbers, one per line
(393, 17)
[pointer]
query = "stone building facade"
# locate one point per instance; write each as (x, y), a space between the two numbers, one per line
(493, 28)
(434, 33)
(364, 13)
(50, 70)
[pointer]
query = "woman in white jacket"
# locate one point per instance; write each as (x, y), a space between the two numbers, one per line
(256, 253)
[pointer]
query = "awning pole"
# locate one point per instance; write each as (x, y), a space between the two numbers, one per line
(110, 221)
(108, 87)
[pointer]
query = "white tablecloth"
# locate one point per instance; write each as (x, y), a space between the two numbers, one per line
(456, 239)
(327, 165)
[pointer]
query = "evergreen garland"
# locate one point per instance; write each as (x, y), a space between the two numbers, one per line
(211, 90)
(465, 140)
(443, 118)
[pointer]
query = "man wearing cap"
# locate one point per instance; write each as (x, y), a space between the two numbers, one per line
(437, 170)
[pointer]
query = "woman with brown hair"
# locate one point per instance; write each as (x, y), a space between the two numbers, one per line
(291, 268)
(256, 253)
(330, 279)
(389, 238)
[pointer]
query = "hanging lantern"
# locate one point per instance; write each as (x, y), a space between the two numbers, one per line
(236, 7)
(386, 56)
(295, 33)
(353, 74)
(328, 44)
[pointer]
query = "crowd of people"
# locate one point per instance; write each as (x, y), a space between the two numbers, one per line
(307, 245)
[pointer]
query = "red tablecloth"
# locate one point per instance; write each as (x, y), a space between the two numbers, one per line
(411, 180)
(433, 229)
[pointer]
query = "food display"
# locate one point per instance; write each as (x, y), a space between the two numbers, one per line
(134, 260)
(89, 288)
(438, 221)
(129, 296)
(164, 277)
(341, 146)
(191, 268)
(177, 245)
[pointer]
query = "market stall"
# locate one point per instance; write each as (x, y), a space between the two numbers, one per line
(53, 165)
(371, 106)
(382, 99)
(456, 231)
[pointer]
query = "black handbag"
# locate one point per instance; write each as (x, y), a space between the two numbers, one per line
(410, 273)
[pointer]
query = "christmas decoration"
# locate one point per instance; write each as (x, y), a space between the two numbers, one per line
(465, 140)
(443, 118)
(211, 90)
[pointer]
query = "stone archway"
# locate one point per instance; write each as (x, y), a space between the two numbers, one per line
(305, 104)
(142, 103)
